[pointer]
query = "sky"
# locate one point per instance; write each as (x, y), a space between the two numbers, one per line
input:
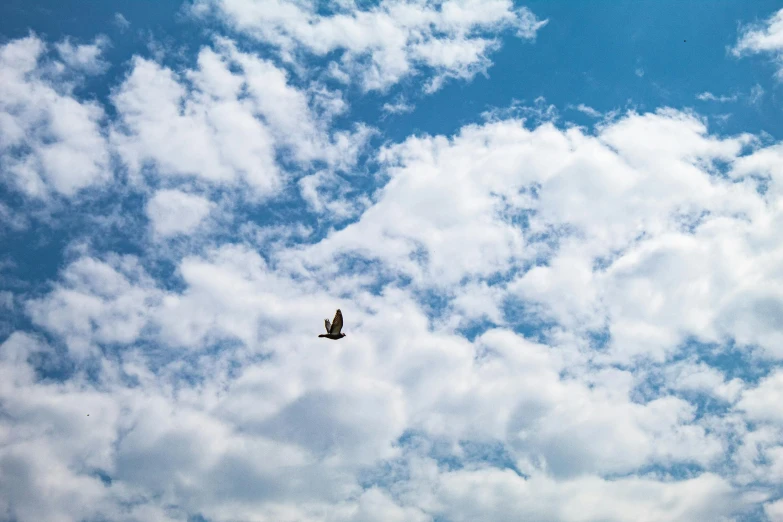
(553, 230)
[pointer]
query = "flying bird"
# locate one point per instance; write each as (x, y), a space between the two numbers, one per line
(333, 328)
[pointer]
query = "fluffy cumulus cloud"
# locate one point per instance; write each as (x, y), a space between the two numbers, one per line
(173, 212)
(50, 140)
(225, 121)
(544, 321)
(85, 57)
(764, 37)
(385, 43)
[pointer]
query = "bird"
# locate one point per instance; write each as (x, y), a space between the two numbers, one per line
(333, 328)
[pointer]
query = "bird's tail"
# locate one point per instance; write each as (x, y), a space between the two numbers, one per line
(323, 335)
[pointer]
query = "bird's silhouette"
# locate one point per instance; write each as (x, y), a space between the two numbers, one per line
(333, 328)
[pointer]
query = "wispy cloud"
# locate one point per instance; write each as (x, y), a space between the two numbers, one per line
(708, 96)
(585, 109)
(400, 106)
(453, 40)
(122, 23)
(756, 94)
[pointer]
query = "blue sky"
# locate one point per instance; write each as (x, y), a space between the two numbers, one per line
(552, 228)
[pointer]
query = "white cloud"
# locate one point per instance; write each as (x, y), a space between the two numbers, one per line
(440, 229)
(331, 196)
(774, 511)
(98, 302)
(690, 376)
(216, 140)
(86, 57)
(759, 456)
(766, 37)
(398, 107)
(225, 126)
(121, 22)
(374, 504)
(588, 110)
(50, 141)
(386, 43)
(760, 403)
(503, 495)
(175, 212)
(708, 96)
(650, 229)
(254, 430)
(753, 97)
(756, 94)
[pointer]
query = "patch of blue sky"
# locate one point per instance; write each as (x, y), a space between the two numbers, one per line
(434, 301)
(527, 319)
(475, 328)
(494, 454)
(468, 454)
(731, 360)
(673, 471)
(601, 263)
(656, 385)
(31, 256)
(624, 37)
(753, 513)
(377, 276)
(384, 474)
(598, 339)
(690, 221)
(55, 20)
(104, 477)
(745, 362)
(54, 364)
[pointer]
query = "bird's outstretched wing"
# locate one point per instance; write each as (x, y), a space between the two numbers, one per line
(337, 323)
(328, 325)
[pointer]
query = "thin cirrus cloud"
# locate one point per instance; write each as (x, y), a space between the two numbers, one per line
(538, 314)
(708, 96)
